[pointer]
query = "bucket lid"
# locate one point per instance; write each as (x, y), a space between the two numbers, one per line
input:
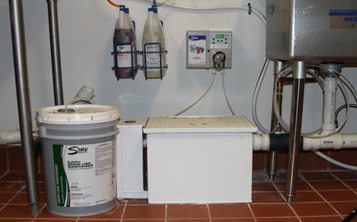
(81, 114)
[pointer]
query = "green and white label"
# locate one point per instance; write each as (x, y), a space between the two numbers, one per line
(85, 174)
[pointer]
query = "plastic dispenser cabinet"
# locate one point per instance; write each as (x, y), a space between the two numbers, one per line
(124, 43)
(199, 159)
(154, 47)
(209, 50)
(305, 30)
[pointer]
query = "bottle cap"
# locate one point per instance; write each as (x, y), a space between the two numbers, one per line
(125, 10)
(153, 9)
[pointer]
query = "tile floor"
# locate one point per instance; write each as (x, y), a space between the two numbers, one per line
(321, 196)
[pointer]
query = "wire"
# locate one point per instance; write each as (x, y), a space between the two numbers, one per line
(255, 97)
(288, 71)
(114, 4)
(256, 12)
(214, 74)
(225, 94)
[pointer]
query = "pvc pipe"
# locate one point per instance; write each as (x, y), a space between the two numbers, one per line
(329, 106)
(9, 137)
(261, 142)
(23, 101)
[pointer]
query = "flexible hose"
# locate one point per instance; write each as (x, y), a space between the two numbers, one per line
(225, 94)
(218, 7)
(255, 97)
(116, 5)
(77, 99)
(287, 71)
(214, 74)
(335, 162)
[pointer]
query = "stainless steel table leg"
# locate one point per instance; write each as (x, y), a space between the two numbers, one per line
(297, 99)
(23, 101)
(273, 155)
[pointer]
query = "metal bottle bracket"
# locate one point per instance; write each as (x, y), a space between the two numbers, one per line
(116, 67)
(161, 67)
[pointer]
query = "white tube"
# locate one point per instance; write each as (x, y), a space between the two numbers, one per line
(14, 136)
(343, 165)
(8, 137)
(261, 142)
(214, 74)
(335, 141)
(225, 93)
(329, 106)
(219, 7)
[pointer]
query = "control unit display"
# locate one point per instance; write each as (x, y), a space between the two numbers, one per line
(209, 50)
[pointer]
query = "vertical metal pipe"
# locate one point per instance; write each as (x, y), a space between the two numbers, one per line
(23, 101)
(55, 51)
(297, 99)
(273, 155)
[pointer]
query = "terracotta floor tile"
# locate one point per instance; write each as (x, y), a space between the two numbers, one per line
(146, 220)
(278, 219)
(263, 187)
(344, 195)
(324, 219)
(315, 176)
(271, 210)
(346, 175)
(6, 197)
(15, 220)
(13, 177)
(307, 196)
(11, 186)
(115, 213)
(57, 220)
(351, 184)
(21, 198)
(313, 209)
(187, 211)
(144, 212)
(328, 185)
(232, 220)
(345, 208)
(267, 197)
(300, 186)
(229, 210)
(20, 211)
(187, 220)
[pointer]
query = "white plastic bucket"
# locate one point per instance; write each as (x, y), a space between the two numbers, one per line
(79, 153)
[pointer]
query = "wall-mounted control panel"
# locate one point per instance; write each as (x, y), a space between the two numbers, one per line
(209, 50)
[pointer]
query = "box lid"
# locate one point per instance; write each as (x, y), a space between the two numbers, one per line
(199, 124)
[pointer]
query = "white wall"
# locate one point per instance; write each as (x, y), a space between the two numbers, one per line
(86, 31)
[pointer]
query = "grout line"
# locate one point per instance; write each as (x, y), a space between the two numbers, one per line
(39, 212)
(286, 202)
(165, 212)
(343, 183)
(251, 211)
(209, 213)
(321, 195)
(13, 197)
(122, 214)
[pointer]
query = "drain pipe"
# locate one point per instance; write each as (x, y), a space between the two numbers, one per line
(23, 101)
(55, 52)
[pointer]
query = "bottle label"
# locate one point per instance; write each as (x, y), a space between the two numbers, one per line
(85, 174)
(153, 59)
(124, 56)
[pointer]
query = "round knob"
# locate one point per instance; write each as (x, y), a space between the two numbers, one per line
(219, 57)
